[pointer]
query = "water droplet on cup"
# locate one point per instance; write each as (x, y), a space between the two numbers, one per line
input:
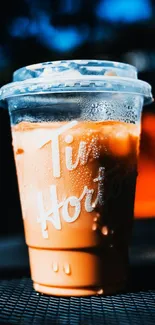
(19, 151)
(100, 292)
(55, 267)
(94, 227)
(104, 231)
(93, 205)
(67, 269)
(69, 138)
(95, 219)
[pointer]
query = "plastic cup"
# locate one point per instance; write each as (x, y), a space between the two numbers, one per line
(75, 130)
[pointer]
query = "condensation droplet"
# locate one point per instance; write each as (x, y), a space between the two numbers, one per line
(97, 215)
(111, 246)
(95, 219)
(94, 205)
(69, 138)
(55, 267)
(104, 231)
(94, 227)
(100, 292)
(112, 231)
(19, 151)
(67, 269)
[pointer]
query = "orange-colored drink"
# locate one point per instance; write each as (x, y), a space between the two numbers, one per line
(77, 186)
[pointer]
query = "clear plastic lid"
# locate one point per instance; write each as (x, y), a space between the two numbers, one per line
(79, 76)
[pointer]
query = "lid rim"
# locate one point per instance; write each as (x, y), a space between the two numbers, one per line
(104, 84)
(147, 99)
(48, 80)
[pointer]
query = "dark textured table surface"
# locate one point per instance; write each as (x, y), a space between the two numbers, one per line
(20, 304)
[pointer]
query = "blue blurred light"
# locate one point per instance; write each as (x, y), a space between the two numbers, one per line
(33, 28)
(70, 6)
(60, 39)
(57, 38)
(67, 39)
(19, 27)
(124, 10)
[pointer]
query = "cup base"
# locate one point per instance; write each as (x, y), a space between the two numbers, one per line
(78, 292)
(78, 272)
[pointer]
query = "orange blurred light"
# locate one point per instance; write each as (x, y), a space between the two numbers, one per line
(145, 190)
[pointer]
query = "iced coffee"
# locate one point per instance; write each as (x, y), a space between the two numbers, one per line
(76, 143)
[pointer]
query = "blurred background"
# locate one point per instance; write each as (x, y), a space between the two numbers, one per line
(33, 31)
